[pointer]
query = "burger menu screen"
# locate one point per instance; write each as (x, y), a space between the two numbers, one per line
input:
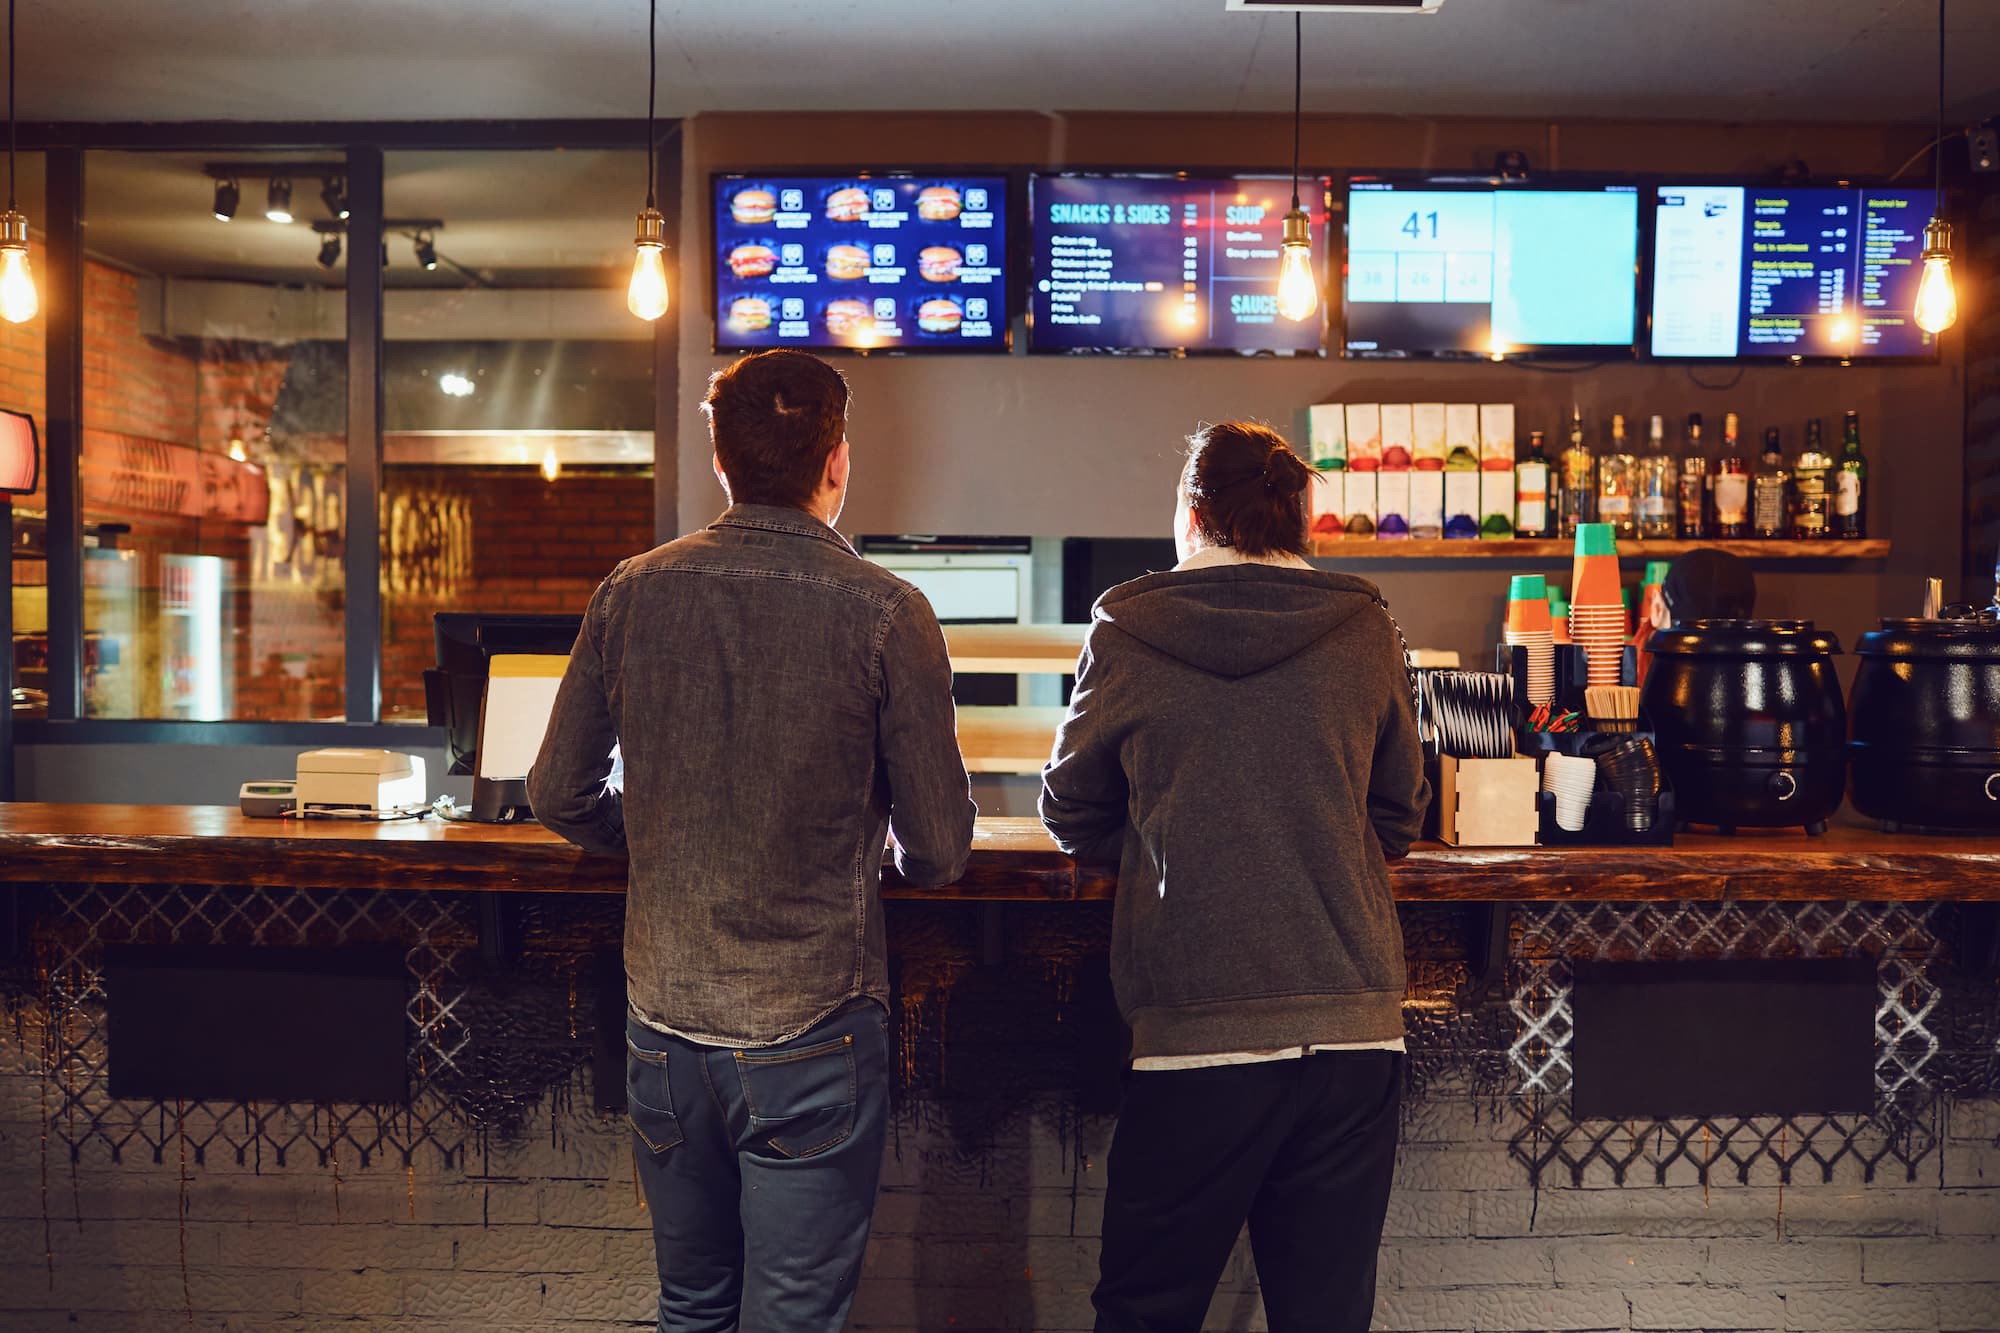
(863, 261)
(1166, 263)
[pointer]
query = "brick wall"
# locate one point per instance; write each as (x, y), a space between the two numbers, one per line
(547, 1232)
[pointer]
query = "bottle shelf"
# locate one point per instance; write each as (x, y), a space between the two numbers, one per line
(1561, 549)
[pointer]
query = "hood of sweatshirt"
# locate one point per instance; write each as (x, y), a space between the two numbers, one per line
(1235, 620)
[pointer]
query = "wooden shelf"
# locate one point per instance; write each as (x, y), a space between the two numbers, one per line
(1007, 740)
(1012, 649)
(1554, 549)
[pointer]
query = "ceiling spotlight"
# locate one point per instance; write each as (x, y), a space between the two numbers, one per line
(455, 385)
(426, 248)
(278, 200)
(228, 194)
(334, 192)
(329, 251)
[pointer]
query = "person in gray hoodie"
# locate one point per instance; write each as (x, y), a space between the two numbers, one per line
(1242, 740)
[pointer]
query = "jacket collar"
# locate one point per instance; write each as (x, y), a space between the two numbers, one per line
(1216, 557)
(780, 518)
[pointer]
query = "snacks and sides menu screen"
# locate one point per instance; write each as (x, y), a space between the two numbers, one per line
(1441, 270)
(885, 262)
(1166, 263)
(1758, 271)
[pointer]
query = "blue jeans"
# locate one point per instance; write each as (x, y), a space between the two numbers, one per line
(760, 1168)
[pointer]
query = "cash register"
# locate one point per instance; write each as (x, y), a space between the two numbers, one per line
(492, 691)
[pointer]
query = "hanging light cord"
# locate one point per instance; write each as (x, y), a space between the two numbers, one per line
(1298, 73)
(1937, 149)
(652, 87)
(10, 106)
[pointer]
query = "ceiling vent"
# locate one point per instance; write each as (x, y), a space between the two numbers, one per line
(1332, 6)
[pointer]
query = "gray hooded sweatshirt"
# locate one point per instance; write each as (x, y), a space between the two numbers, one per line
(1242, 741)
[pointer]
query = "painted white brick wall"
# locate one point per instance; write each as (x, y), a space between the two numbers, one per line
(547, 1232)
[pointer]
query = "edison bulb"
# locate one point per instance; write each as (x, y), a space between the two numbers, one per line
(647, 296)
(1937, 299)
(18, 298)
(551, 465)
(1298, 288)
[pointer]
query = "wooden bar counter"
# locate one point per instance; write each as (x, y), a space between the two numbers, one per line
(1012, 860)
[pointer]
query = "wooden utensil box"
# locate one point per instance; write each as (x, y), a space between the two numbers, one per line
(1485, 802)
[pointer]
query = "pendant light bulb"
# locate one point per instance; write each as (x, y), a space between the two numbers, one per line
(1298, 287)
(18, 298)
(646, 296)
(1937, 298)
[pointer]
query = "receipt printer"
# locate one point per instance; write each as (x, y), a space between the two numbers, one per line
(359, 782)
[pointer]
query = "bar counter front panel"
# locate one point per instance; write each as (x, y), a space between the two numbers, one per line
(1002, 1000)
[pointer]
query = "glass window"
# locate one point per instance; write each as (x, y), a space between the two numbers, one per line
(214, 436)
(24, 388)
(517, 391)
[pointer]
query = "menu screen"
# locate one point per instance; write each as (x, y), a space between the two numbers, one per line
(1166, 263)
(1756, 271)
(909, 263)
(1435, 269)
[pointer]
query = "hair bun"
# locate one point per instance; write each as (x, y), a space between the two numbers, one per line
(1285, 473)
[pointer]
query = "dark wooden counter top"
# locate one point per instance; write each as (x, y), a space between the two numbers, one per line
(1012, 860)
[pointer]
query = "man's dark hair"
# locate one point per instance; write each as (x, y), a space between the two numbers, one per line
(775, 418)
(1246, 487)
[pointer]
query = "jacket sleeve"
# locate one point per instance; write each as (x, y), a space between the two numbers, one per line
(568, 786)
(1084, 792)
(1397, 788)
(930, 799)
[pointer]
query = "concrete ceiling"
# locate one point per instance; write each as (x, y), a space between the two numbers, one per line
(1825, 60)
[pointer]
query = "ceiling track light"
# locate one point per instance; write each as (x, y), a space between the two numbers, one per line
(333, 193)
(1298, 288)
(425, 248)
(228, 195)
(1937, 297)
(329, 250)
(19, 301)
(646, 294)
(278, 200)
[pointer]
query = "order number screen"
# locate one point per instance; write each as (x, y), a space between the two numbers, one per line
(1483, 271)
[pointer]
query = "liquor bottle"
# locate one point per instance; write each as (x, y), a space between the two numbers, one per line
(1579, 476)
(1812, 499)
(1617, 471)
(1656, 484)
(1531, 489)
(1732, 484)
(1850, 484)
(1770, 509)
(1694, 483)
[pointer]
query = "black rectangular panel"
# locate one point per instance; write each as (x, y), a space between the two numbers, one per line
(257, 1024)
(1756, 1037)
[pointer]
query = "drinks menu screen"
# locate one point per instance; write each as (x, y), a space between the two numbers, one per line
(1755, 271)
(1167, 263)
(891, 262)
(1438, 269)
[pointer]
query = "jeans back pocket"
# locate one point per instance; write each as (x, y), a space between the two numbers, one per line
(801, 1102)
(649, 1100)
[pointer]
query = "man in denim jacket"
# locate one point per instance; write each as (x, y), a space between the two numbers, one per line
(781, 705)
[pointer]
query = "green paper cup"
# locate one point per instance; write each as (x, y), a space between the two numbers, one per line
(1596, 539)
(1528, 588)
(1656, 573)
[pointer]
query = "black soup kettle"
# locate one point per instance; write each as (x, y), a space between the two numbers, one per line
(1926, 709)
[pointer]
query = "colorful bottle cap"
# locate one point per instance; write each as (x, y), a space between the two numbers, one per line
(1528, 587)
(1596, 539)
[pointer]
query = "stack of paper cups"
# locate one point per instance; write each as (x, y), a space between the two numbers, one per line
(1529, 626)
(1596, 611)
(1573, 780)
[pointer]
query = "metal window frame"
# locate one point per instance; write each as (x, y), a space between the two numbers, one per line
(366, 144)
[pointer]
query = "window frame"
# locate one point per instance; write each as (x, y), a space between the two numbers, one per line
(64, 146)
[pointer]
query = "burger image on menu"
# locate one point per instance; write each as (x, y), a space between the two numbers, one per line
(753, 206)
(848, 205)
(752, 261)
(939, 263)
(849, 318)
(940, 314)
(748, 314)
(846, 262)
(938, 203)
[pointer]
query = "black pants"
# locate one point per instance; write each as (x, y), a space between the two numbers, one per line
(1302, 1150)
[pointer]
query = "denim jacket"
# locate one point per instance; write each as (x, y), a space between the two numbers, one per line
(780, 703)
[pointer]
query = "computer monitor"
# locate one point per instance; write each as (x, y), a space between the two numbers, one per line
(456, 696)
